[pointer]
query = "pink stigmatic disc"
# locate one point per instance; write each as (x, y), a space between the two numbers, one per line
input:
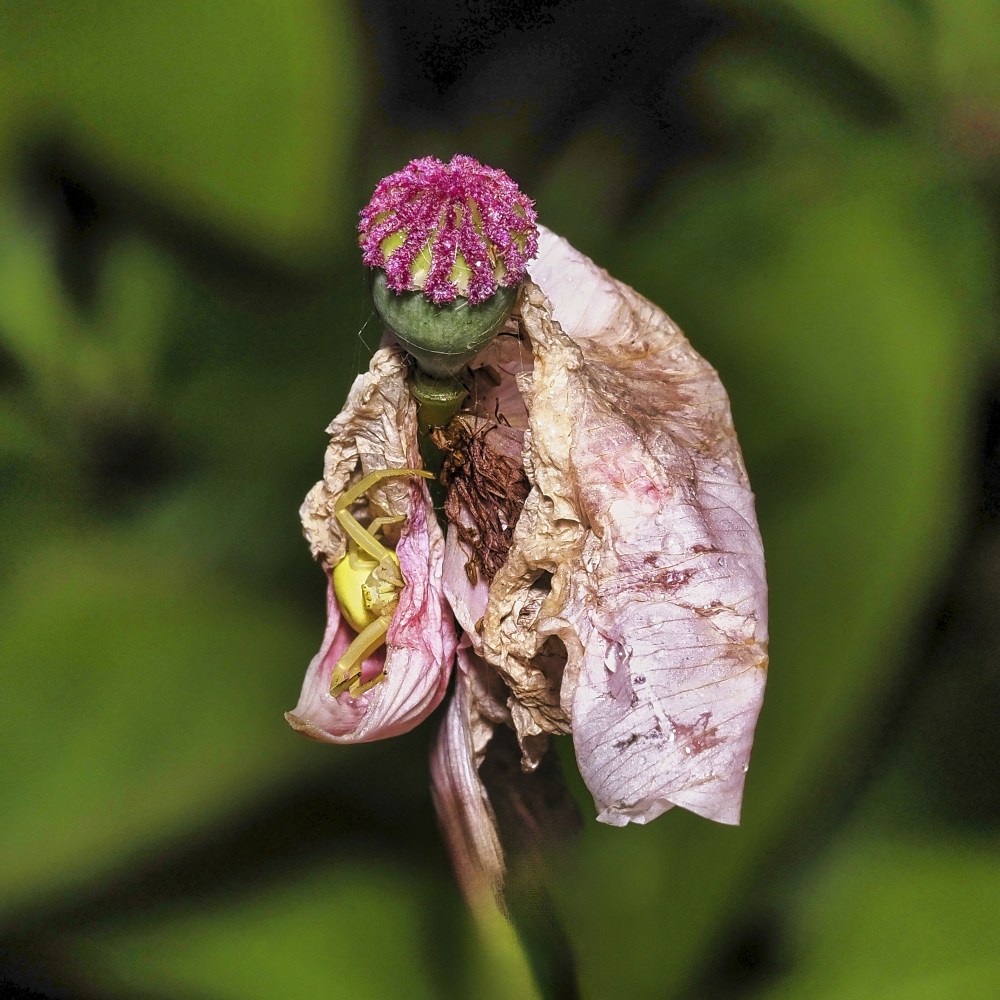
(452, 208)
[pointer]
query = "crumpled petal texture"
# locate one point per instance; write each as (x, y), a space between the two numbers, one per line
(378, 426)
(638, 547)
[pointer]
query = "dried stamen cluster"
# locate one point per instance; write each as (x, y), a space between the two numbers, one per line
(486, 484)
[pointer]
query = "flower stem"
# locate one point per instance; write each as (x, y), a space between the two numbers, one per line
(438, 399)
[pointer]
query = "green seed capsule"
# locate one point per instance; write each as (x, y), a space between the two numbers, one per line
(442, 338)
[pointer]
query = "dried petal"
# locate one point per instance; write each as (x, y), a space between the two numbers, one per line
(378, 426)
(637, 547)
(499, 823)
(486, 486)
(496, 400)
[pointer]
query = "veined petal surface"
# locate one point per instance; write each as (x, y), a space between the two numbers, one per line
(638, 548)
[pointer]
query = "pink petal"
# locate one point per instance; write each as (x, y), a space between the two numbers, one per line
(378, 427)
(463, 807)
(643, 519)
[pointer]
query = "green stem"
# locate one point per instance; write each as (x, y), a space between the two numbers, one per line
(438, 399)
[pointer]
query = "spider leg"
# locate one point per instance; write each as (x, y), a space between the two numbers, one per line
(371, 546)
(379, 521)
(371, 479)
(358, 560)
(357, 688)
(347, 673)
(364, 539)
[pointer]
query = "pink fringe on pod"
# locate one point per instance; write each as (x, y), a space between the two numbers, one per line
(435, 204)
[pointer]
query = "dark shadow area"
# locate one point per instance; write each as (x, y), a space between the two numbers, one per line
(82, 238)
(562, 65)
(83, 223)
(21, 981)
(126, 462)
(948, 742)
(87, 207)
(438, 41)
(13, 377)
(752, 956)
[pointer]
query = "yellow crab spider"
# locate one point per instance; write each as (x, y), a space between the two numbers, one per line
(367, 582)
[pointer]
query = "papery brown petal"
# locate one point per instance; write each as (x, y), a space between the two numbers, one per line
(378, 426)
(642, 514)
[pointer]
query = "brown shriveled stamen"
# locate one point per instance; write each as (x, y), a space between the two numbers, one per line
(490, 487)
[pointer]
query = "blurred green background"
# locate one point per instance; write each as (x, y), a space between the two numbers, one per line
(809, 188)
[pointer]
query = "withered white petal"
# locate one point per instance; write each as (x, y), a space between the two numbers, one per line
(378, 426)
(638, 547)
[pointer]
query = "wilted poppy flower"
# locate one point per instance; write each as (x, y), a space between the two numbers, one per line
(602, 561)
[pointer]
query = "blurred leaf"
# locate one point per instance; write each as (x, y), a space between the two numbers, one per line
(17, 437)
(249, 396)
(345, 932)
(143, 699)
(892, 40)
(967, 57)
(239, 115)
(896, 917)
(75, 363)
(940, 58)
(348, 931)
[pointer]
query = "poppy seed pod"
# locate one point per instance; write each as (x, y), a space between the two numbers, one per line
(448, 244)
